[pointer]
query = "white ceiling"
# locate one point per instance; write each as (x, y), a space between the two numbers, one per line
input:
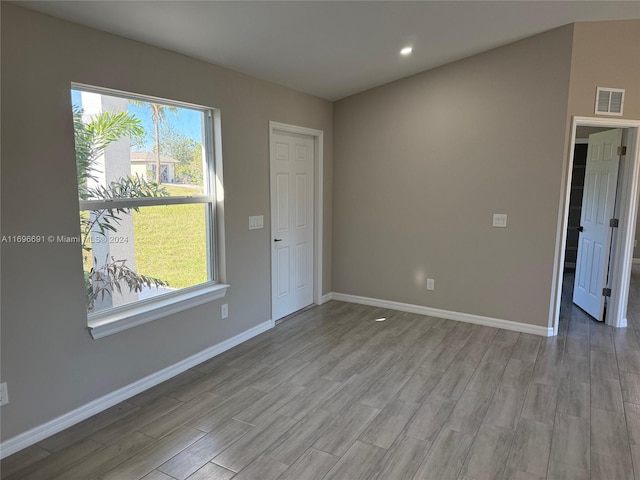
(331, 49)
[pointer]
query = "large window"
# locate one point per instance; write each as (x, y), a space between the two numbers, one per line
(146, 186)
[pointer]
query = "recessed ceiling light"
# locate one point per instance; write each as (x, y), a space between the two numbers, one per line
(406, 51)
(380, 319)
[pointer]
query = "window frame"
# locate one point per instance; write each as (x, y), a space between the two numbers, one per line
(123, 317)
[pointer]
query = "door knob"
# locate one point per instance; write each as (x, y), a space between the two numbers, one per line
(580, 228)
(277, 239)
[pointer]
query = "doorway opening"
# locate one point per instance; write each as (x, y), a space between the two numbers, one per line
(618, 251)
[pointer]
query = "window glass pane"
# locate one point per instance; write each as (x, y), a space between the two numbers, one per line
(135, 149)
(127, 148)
(150, 251)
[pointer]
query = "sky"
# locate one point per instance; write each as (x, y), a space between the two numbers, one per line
(188, 121)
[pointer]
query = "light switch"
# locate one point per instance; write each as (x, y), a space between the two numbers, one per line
(500, 220)
(256, 221)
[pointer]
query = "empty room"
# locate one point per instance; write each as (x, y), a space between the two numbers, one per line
(300, 240)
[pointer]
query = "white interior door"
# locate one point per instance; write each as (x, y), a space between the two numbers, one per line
(598, 203)
(292, 218)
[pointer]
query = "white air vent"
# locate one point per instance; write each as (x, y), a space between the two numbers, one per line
(609, 101)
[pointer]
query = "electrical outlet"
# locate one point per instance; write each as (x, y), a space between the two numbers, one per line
(4, 394)
(500, 220)
(224, 310)
(431, 284)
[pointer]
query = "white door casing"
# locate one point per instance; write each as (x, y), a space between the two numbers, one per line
(598, 204)
(292, 222)
(629, 189)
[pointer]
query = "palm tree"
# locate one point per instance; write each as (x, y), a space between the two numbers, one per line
(158, 114)
(91, 139)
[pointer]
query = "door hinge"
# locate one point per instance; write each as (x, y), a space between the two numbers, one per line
(606, 292)
(622, 150)
(613, 223)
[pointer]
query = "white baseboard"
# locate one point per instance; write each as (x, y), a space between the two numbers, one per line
(635, 260)
(623, 323)
(58, 424)
(326, 298)
(449, 315)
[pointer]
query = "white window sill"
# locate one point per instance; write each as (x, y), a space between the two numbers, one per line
(128, 316)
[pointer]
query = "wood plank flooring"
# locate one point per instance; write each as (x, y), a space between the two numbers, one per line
(331, 394)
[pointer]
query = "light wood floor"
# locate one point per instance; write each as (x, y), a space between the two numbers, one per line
(332, 394)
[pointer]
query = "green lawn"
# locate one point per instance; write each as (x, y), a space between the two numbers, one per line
(170, 242)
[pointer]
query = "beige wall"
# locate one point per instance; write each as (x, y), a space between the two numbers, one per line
(605, 54)
(48, 358)
(421, 165)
